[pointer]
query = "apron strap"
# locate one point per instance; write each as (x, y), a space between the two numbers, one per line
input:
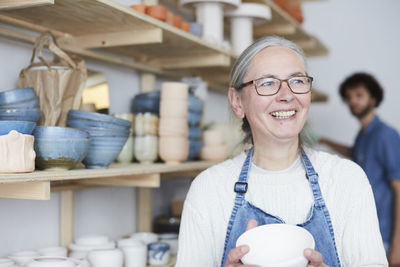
(312, 177)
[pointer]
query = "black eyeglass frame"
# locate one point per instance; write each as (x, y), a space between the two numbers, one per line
(280, 84)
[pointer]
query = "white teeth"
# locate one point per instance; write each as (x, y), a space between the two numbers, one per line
(283, 114)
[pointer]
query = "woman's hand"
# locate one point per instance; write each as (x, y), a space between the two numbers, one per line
(314, 258)
(234, 256)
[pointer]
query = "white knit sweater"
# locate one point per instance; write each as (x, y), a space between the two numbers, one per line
(286, 194)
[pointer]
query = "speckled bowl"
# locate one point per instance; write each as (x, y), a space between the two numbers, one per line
(16, 95)
(58, 147)
(24, 127)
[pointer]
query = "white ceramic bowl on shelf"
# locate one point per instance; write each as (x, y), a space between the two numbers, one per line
(51, 262)
(276, 245)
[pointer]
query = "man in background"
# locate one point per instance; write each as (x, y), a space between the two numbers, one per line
(377, 151)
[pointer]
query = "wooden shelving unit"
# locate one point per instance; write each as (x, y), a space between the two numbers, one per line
(108, 31)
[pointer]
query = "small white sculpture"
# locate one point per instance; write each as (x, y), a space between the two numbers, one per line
(16, 153)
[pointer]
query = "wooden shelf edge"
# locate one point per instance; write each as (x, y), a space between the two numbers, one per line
(12, 4)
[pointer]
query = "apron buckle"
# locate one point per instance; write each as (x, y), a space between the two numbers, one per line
(240, 187)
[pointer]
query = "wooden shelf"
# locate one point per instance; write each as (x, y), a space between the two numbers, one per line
(36, 185)
(283, 24)
(107, 30)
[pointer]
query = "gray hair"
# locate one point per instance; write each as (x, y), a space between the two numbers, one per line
(241, 65)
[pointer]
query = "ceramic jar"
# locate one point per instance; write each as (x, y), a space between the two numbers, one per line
(106, 258)
(158, 253)
(174, 149)
(171, 239)
(23, 257)
(146, 124)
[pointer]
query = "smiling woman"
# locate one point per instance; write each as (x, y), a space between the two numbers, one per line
(278, 180)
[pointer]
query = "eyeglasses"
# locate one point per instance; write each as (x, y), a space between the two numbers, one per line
(268, 86)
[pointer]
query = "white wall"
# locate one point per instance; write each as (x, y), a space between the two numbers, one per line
(362, 36)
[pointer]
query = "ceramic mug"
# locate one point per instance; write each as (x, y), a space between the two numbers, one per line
(135, 255)
(158, 253)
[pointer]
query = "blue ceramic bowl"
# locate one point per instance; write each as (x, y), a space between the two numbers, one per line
(54, 132)
(20, 114)
(146, 102)
(101, 131)
(58, 147)
(195, 104)
(16, 95)
(193, 118)
(194, 149)
(194, 133)
(103, 150)
(24, 127)
(29, 103)
(92, 119)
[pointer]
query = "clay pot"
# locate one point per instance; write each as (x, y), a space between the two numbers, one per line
(177, 21)
(157, 11)
(170, 18)
(213, 138)
(177, 127)
(185, 26)
(176, 108)
(173, 150)
(139, 8)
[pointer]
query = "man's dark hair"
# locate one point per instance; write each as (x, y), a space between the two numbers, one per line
(362, 79)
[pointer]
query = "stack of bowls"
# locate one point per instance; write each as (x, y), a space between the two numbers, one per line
(214, 146)
(59, 147)
(195, 112)
(173, 128)
(146, 106)
(86, 243)
(19, 104)
(107, 136)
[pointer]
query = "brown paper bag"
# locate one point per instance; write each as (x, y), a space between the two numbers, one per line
(58, 83)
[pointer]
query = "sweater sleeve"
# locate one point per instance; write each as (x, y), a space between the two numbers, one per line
(362, 241)
(195, 241)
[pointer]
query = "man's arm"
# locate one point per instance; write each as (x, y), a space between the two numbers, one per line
(342, 149)
(394, 254)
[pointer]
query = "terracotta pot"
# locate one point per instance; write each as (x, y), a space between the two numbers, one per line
(173, 150)
(170, 18)
(157, 11)
(175, 90)
(185, 26)
(171, 126)
(139, 8)
(177, 21)
(176, 108)
(295, 11)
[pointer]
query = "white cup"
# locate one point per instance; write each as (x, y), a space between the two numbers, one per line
(105, 258)
(135, 255)
(158, 253)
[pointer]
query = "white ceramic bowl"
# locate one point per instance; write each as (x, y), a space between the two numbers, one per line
(53, 251)
(23, 257)
(276, 245)
(51, 262)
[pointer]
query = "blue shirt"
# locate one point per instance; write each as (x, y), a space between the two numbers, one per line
(377, 151)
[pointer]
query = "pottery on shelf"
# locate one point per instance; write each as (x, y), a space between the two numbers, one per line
(209, 13)
(139, 8)
(16, 153)
(157, 11)
(146, 148)
(173, 149)
(177, 108)
(146, 124)
(170, 126)
(242, 20)
(174, 90)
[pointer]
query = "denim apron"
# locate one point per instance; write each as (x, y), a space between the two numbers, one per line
(318, 223)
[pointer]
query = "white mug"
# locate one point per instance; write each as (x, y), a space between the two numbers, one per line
(135, 255)
(105, 258)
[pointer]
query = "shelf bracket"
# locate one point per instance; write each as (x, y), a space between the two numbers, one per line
(26, 190)
(210, 60)
(12, 4)
(67, 218)
(134, 37)
(142, 180)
